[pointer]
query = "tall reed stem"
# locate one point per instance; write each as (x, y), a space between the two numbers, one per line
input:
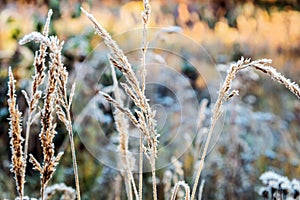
(153, 169)
(70, 133)
(145, 18)
(141, 167)
(122, 127)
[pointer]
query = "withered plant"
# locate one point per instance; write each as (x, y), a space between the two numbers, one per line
(56, 102)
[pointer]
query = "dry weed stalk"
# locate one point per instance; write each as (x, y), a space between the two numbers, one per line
(38, 79)
(19, 159)
(145, 18)
(118, 187)
(276, 76)
(63, 108)
(48, 126)
(145, 122)
(225, 93)
(56, 86)
(18, 165)
(122, 128)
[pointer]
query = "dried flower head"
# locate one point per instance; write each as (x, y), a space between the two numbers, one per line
(18, 164)
(55, 78)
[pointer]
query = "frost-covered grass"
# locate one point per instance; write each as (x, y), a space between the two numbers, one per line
(235, 153)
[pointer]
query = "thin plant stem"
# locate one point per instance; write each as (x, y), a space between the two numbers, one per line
(28, 124)
(70, 132)
(145, 18)
(217, 111)
(141, 168)
(69, 127)
(134, 186)
(152, 163)
(118, 186)
(123, 139)
(66, 103)
(43, 192)
(128, 186)
(212, 126)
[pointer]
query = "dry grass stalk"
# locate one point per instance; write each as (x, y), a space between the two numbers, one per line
(63, 108)
(47, 119)
(57, 84)
(38, 79)
(186, 188)
(118, 187)
(145, 122)
(18, 164)
(48, 126)
(225, 93)
(120, 61)
(276, 76)
(122, 128)
(145, 18)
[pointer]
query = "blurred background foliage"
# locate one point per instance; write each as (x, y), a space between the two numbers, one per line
(262, 126)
